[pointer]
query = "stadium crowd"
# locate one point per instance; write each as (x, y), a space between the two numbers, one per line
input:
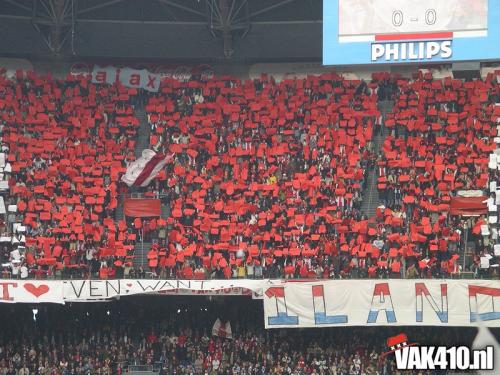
(267, 178)
(64, 144)
(177, 338)
(278, 182)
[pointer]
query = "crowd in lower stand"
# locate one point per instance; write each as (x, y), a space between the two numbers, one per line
(267, 178)
(177, 338)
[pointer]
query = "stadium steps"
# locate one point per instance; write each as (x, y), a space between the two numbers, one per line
(141, 254)
(119, 215)
(142, 142)
(370, 195)
(371, 198)
(144, 131)
(469, 256)
(165, 211)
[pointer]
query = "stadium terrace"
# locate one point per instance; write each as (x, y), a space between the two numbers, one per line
(235, 187)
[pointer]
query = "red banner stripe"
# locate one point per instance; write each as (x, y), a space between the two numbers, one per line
(317, 290)
(415, 36)
(474, 290)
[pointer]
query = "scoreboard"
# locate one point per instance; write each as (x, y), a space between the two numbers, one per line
(410, 31)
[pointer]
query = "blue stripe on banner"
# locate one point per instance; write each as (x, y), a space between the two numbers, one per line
(420, 316)
(322, 318)
(391, 316)
(485, 316)
(282, 319)
(372, 316)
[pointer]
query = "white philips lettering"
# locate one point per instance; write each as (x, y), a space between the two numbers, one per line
(392, 49)
(402, 51)
(446, 51)
(412, 53)
(377, 51)
(421, 50)
(432, 49)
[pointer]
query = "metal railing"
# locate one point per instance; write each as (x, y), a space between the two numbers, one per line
(143, 195)
(144, 369)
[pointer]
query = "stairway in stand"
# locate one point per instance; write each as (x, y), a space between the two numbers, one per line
(371, 198)
(141, 254)
(142, 143)
(144, 131)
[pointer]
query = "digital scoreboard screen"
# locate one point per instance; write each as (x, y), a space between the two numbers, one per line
(405, 31)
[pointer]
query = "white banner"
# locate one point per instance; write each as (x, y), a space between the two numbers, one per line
(139, 79)
(382, 303)
(85, 290)
(61, 291)
(32, 291)
(296, 304)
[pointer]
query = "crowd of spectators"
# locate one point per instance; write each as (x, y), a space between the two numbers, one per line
(64, 145)
(267, 178)
(441, 134)
(266, 174)
(176, 338)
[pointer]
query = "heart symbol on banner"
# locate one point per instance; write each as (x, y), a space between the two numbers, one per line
(129, 285)
(37, 291)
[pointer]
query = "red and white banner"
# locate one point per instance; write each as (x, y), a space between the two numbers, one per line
(89, 290)
(170, 71)
(142, 207)
(222, 329)
(32, 291)
(382, 303)
(143, 170)
(62, 291)
(296, 304)
(128, 77)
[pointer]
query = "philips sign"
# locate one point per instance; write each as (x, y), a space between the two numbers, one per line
(411, 51)
(408, 31)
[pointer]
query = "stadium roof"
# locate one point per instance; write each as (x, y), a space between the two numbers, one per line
(173, 30)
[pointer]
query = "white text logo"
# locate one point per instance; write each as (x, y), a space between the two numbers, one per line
(411, 50)
(443, 358)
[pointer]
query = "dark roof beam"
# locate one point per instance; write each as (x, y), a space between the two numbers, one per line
(18, 5)
(182, 7)
(99, 6)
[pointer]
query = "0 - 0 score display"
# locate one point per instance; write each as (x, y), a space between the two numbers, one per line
(396, 31)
